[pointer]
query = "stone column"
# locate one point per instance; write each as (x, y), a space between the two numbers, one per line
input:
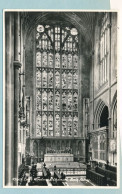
(109, 82)
(9, 99)
(17, 65)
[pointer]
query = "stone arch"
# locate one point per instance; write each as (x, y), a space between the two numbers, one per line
(101, 115)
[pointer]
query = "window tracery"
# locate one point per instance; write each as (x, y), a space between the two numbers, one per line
(56, 81)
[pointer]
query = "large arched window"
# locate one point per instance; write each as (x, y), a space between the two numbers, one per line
(56, 81)
(104, 48)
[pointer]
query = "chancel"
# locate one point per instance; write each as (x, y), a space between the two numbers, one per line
(60, 98)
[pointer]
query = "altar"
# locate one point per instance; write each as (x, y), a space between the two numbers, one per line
(58, 157)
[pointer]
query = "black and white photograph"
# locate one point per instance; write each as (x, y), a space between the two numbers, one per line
(60, 99)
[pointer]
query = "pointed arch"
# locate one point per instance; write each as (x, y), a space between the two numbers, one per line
(101, 115)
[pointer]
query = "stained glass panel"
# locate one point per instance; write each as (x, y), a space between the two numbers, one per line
(69, 80)
(75, 61)
(64, 80)
(57, 125)
(64, 125)
(75, 80)
(38, 78)
(57, 100)
(69, 125)
(44, 100)
(50, 79)
(69, 101)
(75, 101)
(57, 79)
(44, 59)
(64, 61)
(38, 59)
(50, 60)
(50, 100)
(64, 101)
(38, 99)
(69, 61)
(44, 124)
(44, 78)
(50, 125)
(38, 125)
(57, 60)
(75, 125)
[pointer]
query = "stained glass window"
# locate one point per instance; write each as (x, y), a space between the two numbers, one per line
(56, 80)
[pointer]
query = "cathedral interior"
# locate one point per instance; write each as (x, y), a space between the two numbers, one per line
(60, 98)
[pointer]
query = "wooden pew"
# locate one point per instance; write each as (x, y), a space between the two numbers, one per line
(96, 178)
(109, 174)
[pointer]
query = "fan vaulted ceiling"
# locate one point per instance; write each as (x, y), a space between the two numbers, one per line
(83, 21)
